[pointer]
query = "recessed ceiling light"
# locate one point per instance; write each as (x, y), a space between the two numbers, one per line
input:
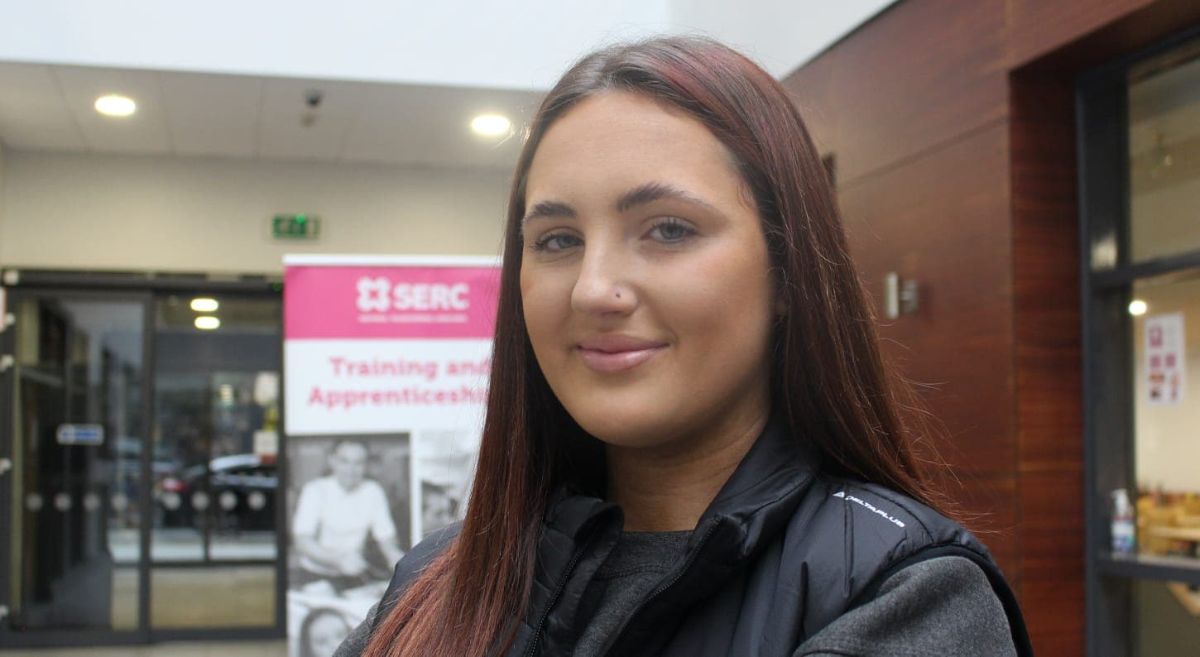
(115, 105)
(208, 323)
(205, 305)
(491, 125)
(1137, 307)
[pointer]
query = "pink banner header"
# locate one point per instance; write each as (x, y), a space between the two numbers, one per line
(390, 302)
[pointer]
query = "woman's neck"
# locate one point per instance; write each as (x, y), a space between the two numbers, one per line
(667, 487)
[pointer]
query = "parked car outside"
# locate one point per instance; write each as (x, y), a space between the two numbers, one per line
(235, 492)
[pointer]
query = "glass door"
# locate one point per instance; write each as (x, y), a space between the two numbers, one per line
(74, 403)
(214, 543)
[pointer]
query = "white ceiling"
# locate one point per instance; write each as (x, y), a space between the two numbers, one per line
(399, 88)
(401, 79)
(515, 44)
(49, 108)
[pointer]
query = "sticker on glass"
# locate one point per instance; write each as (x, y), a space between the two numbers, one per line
(257, 500)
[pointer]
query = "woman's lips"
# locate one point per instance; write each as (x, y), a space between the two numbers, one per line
(617, 361)
(617, 354)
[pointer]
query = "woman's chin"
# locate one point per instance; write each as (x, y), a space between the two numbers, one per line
(628, 430)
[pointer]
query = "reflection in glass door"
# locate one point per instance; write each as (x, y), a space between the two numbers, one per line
(214, 546)
(1164, 337)
(74, 420)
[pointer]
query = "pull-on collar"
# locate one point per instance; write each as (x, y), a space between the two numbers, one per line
(756, 500)
(764, 490)
(580, 530)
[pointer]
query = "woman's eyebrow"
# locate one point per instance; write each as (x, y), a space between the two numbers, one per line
(656, 191)
(640, 195)
(549, 209)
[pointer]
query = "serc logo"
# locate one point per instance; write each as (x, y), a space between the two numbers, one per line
(374, 294)
(377, 294)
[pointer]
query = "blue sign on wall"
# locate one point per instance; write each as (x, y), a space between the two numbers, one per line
(80, 434)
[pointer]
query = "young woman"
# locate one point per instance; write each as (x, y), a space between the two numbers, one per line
(692, 446)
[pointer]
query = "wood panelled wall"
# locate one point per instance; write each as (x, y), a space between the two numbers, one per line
(951, 126)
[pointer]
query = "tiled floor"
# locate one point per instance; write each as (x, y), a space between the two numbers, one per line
(207, 649)
(233, 596)
(225, 597)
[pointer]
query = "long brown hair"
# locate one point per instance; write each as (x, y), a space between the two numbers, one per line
(828, 380)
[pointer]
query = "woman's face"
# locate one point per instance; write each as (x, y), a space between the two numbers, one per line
(644, 275)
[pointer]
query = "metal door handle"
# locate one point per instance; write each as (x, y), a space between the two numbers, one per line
(5, 465)
(3, 612)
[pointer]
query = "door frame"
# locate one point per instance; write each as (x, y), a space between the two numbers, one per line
(56, 636)
(146, 288)
(1102, 151)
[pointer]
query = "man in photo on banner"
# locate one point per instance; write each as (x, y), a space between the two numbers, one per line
(334, 518)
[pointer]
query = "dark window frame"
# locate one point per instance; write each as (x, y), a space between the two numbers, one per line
(1102, 125)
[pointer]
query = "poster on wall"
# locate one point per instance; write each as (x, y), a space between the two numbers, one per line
(386, 361)
(1165, 359)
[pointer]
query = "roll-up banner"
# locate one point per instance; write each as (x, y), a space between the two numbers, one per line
(386, 362)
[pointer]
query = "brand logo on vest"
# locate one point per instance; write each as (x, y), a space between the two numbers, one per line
(870, 507)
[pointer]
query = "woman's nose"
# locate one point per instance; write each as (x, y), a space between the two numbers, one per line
(603, 286)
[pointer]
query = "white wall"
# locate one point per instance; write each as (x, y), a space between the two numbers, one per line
(174, 214)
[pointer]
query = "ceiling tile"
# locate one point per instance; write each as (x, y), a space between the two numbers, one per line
(211, 114)
(281, 131)
(199, 114)
(430, 126)
(144, 132)
(32, 113)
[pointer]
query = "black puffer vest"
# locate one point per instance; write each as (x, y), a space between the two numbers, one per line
(781, 552)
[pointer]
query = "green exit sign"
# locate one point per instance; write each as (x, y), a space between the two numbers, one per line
(295, 226)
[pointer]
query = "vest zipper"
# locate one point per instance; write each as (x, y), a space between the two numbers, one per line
(562, 584)
(687, 564)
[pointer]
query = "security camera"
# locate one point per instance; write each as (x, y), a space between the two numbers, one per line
(313, 98)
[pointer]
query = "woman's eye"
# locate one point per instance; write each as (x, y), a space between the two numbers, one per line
(671, 231)
(555, 242)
